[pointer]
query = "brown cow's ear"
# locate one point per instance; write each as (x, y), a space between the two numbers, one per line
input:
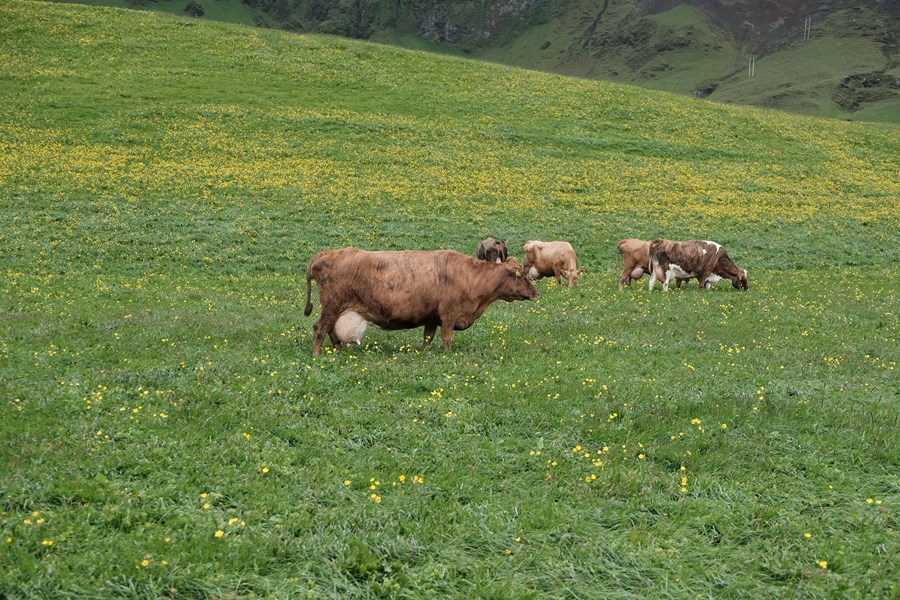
(513, 267)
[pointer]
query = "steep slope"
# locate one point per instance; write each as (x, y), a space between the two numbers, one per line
(843, 64)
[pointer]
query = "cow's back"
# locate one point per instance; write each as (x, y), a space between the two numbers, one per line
(635, 251)
(546, 254)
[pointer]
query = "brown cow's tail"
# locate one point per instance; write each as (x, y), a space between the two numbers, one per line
(309, 277)
(620, 260)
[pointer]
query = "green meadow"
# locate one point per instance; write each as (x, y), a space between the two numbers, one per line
(165, 431)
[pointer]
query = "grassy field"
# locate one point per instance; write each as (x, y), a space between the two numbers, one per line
(230, 11)
(164, 431)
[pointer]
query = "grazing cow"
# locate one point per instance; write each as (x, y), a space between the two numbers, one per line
(543, 259)
(408, 289)
(707, 261)
(492, 250)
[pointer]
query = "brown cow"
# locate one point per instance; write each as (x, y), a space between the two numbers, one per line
(705, 260)
(408, 289)
(543, 259)
(492, 250)
(636, 261)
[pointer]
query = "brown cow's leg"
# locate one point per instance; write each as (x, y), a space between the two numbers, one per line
(318, 338)
(430, 330)
(334, 340)
(447, 334)
(324, 326)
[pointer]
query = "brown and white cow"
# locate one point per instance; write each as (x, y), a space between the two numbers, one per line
(408, 289)
(492, 250)
(545, 259)
(705, 260)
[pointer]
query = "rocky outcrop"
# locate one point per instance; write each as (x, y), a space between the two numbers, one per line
(857, 90)
(477, 24)
(437, 27)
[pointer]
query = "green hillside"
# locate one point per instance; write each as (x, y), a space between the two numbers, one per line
(845, 66)
(165, 431)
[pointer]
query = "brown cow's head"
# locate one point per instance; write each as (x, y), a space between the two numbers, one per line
(740, 282)
(516, 286)
(572, 275)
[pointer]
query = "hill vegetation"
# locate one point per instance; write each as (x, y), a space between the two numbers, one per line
(809, 56)
(164, 430)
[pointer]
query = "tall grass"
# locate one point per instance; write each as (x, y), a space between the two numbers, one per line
(165, 431)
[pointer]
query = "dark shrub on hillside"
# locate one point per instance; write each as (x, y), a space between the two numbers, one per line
(194, 9)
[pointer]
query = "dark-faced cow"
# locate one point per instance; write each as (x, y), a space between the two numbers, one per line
(492, 250)
(545, 259)
(408, 289)
(707, 261)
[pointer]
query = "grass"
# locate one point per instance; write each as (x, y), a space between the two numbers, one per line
(165, 431)
(214, 10)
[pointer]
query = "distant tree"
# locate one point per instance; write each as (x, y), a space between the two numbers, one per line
(360, 14)
(280, 9)
(317, 10)
(194, 9)
(351, 18)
